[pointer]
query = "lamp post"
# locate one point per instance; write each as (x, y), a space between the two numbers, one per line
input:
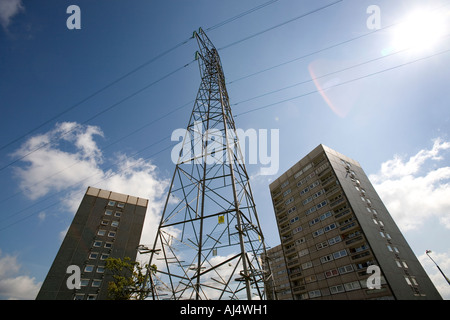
(429, 251)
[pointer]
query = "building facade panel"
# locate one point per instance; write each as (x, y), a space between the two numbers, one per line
(106, 225)
(333, 227)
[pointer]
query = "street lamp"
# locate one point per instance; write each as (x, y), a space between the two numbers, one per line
(429, 251)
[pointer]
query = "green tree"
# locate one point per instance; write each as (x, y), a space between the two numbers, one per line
(128, 279)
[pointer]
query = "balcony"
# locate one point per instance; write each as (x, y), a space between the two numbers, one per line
(286, 239)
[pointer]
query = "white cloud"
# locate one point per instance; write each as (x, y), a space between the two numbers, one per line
(414, 193)
(67, 159)
(8, 9)
(12, 285)
(49, 168)
(443, 260)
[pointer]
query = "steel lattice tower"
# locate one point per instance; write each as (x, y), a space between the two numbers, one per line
(209, 241)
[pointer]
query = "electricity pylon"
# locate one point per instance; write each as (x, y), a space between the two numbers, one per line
(209, 241)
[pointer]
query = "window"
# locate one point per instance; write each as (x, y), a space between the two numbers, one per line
(89, 268)
(396, 250)
(314, 294)
(337, 289)
(104, 222)
(111, 203)
(406, 279)
(293, 220)
(96, 283)
(322, 245)
(398, 263)
(317, 232)
(404, 264)
(334, 240)
(318, 193)
(340, 254)
(100, 269)
(303, 252)
(84, 282)
(304, 191)
(306, 201)
(331, 273)
(101, 232)
(382, 234)
(111, 234)
(291, 210)
(345, 269)
(79, 296)
(285, 184)
(310, 279)
(314, 184)
(301, 182)
(352, 286)
(104, 256)
(307, 265)
(286, 192)
(108, 212)
(97, 243)
(114, 223)
(322, 204)
(314, 221)
(390, 248)
(289, 200)
(326, 258)
(108, 245)
(120, 205)
(297, 230)
(330, 227)
(118, 214)
(310, 210)
(92, 297)
(93, 255)
(326, 215)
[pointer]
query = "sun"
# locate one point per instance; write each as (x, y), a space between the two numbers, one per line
(421, 30)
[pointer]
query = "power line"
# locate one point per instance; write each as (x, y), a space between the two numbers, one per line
(58, 202)
(129, 73)
(99, 113)
(325, 49)
(279, 89)
(343, 83)
(328, 74)
(109, 85)
(243, 113)
(90, 177)
(104, 148)
(220, 24)
(235, 104)
(280, 24)
(157, 57)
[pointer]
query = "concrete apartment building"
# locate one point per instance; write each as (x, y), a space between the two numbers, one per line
(107, 224)
(333, 226)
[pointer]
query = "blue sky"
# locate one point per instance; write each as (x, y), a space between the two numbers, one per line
(387, 109)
